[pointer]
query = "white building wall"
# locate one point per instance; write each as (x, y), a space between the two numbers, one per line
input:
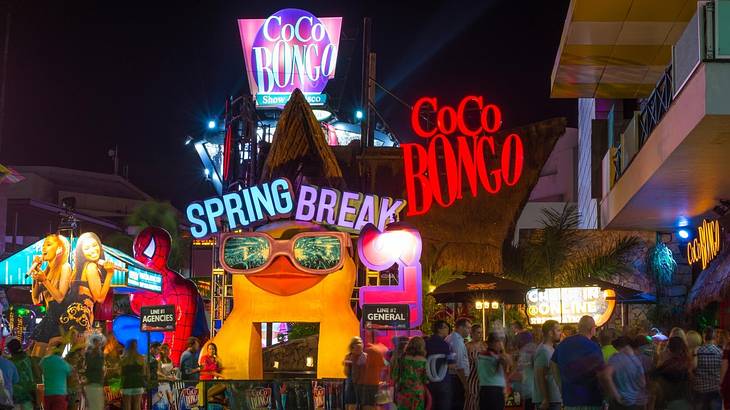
(587, 206)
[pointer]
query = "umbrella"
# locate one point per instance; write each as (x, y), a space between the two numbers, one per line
(481, 285)
(623, 294)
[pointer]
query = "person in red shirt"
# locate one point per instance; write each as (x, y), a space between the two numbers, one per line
(210, 366)
(374, 365)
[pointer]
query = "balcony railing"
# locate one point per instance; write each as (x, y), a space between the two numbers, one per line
(654, 107)
(640, 127)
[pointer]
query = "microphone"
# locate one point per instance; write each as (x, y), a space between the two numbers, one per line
(102, 262)
(33, 267)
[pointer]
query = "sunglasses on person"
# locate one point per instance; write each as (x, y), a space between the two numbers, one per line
(311, 252)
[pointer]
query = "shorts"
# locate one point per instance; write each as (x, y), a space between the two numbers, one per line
(134, 391)
(164, 388)
(366, 394)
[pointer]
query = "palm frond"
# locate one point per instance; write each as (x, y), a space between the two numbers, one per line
(443, 275)
(566, 219)
(600, 263)
(547, 251)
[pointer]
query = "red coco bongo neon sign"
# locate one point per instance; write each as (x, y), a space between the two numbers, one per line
(475, 160)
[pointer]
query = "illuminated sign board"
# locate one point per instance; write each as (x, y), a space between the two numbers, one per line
(14, 268)
(706, 245)
(258, 204)
(290, 49)
(157, 318)
(144, 280)
(476, 159)
(381, 249)
(386, 316)
(568, 305)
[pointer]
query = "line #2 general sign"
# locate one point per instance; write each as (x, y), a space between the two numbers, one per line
(386, 316)
(157, 318)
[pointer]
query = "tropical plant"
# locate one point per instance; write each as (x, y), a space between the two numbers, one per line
(436, 276)
(159, 214)
(662, 263)
(556, 255)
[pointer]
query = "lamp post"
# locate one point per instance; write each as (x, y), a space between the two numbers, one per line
(483, 305)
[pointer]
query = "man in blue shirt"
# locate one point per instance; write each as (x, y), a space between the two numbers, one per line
(189, 366)
(460, 370)
(439, 358)
(576, 363)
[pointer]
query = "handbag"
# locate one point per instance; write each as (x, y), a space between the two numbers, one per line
(384, 394)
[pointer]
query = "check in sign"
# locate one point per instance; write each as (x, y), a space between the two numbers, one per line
(157, 318)
(386, 316)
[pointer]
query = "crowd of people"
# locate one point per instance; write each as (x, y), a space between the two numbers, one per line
(73, 376)
(547, 368)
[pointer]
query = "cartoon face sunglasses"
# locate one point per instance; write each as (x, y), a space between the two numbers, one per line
(311, 252)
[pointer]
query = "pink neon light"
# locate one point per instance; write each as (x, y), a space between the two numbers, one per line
(398, 244)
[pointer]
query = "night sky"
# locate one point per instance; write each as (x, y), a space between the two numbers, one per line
(86, 76)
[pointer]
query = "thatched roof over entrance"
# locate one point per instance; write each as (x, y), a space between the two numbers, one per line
(299, 150)
(713, 284)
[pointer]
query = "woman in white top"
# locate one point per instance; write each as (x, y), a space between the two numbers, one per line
(166, 375)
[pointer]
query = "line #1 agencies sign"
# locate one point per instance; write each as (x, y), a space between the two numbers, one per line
(157, 318)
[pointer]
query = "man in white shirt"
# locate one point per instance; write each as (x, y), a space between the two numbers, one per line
(460, 372)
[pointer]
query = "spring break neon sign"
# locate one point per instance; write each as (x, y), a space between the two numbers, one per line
(475, 160)
(258, 204)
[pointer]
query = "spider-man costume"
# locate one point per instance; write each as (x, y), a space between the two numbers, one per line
(152, 248)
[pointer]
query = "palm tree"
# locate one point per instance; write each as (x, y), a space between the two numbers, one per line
(556, 254)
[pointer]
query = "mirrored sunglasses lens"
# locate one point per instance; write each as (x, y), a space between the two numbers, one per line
(248, 252)
(318, 252)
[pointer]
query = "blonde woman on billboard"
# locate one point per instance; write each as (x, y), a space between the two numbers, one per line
(50, 286)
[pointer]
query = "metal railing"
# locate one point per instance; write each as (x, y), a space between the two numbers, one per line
(654, 107)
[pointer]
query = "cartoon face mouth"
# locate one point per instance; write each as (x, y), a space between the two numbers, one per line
(283, 279)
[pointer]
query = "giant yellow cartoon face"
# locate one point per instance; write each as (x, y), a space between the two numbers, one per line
(286, 258)
(287, 271)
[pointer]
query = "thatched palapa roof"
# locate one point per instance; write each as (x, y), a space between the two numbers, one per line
(474, 229)
(299, 150)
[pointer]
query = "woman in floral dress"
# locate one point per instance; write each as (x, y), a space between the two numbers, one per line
(412, 379)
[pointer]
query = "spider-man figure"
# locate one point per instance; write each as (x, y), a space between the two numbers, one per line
(152, 248)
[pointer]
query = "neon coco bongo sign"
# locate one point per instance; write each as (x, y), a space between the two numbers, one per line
(440, 171)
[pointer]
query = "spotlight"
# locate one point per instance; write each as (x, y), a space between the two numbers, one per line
(683, 233)
(359, 114)
(188, 140)
(211, 124)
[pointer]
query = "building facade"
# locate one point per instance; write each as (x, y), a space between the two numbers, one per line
(653, 91)
(48, 196)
